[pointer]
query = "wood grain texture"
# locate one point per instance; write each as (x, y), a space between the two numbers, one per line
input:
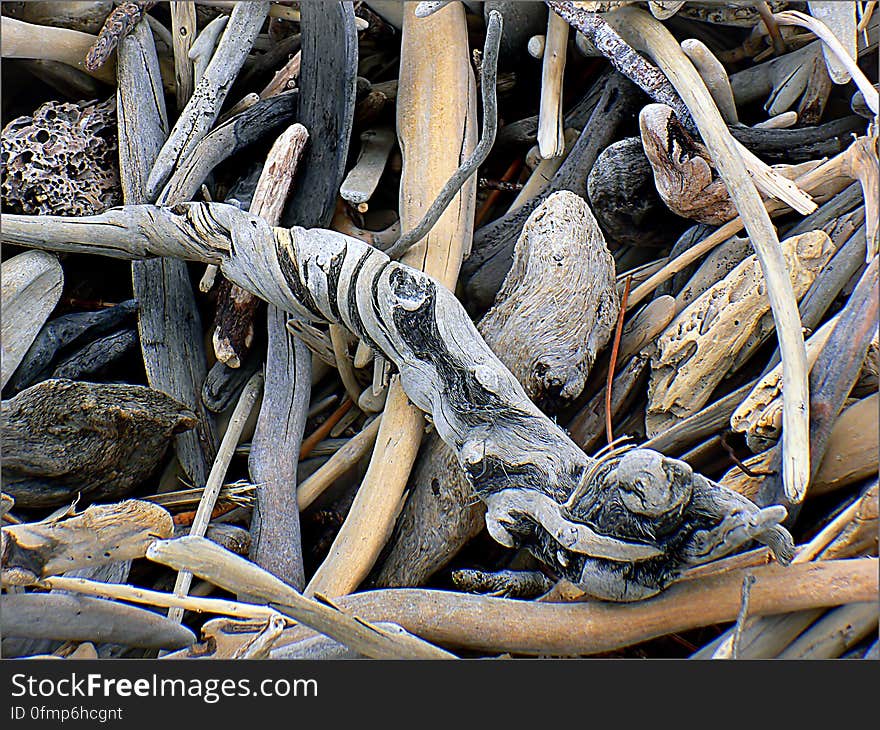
(62, 438)
(201, 111)
(237, 575)
(228, 138)
(644, 31)
(168, 320)
(561, 249)
(436, 129)
(328, 76)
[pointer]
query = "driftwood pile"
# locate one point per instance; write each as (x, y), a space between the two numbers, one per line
(421, 330)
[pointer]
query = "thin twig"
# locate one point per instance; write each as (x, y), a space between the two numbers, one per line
(240, 415)
(321, 431)
(617, 335)
(511, 172)
(481, 151)
(748, 580)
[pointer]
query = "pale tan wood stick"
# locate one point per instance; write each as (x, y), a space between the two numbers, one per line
(499, 624)
(437, 129)
(134, 594)
(551, 142)
(227, 570)
(44, 42)
(346, 457)
(240, 414)
(647, 31)
(183, 31)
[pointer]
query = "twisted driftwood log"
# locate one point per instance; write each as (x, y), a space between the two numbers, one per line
(561, 249)
(623, 528)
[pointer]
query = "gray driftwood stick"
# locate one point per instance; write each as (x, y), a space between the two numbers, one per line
(836, 370)
(561, 249)
(485, 269)
(328, 85)
(233, 135)
(168, 319)
(235, 574)
(79, 618)
(201, 111)
(541, 490)
(276, 543)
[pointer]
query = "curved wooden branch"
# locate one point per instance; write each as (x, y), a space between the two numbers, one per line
(436, 129)
(533, 627)
(501, 439)
(731, 167)
(561, 249)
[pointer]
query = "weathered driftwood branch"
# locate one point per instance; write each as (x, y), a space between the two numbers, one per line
(646, 31)
(530, 627)
(276, 544)
(236, 308)
(168, 320)
(87, 17)
(437, 131)
(468, 166)
(550, 132)
(101, 534)
(606, 39)
(226, 139)
(581, 517)
(240, 415)
(362, 179)
(203, 107)
(119, 23)
(560, 249)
